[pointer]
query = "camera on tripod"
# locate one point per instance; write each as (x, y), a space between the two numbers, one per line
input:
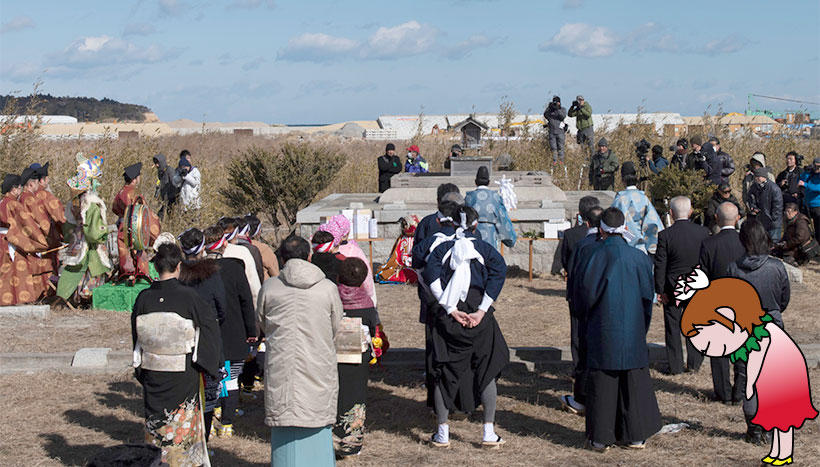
(641, 150)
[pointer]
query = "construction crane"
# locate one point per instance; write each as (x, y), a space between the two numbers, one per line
(752, 108)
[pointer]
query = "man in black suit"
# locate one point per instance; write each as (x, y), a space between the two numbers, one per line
(716, 254)
(575, 234)
(678, 252)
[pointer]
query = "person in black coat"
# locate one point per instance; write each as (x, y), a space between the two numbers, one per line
(720, 196)
(203, 276)
(574, 234)
(766, 203)
(389, 165)
(716, 254)
(678, 252)
(575, 402)
(239, 329)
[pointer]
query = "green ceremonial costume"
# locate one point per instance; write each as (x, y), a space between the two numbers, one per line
(86, 259)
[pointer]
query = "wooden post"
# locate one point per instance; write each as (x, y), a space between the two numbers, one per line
(502, 249)
(370, 242)
(531, 241)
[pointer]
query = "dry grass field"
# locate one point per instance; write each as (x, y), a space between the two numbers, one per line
(63, 419)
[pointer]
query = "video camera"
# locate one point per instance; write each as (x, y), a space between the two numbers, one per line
(642, 148)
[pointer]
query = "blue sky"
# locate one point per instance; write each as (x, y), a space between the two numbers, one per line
(323, 61)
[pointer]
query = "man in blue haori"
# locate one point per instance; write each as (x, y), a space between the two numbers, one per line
(615, 289)
(642, 220)
(494, 222)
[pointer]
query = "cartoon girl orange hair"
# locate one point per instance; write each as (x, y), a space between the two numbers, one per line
(724, 317)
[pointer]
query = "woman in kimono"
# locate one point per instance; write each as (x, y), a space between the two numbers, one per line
(175, 336)
(493, 220)
(87, 261)
(398, 267)
(348, 431)
(203, 275)
(465, 276)
(339, 227)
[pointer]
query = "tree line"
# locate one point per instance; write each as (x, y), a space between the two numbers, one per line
(85, 109)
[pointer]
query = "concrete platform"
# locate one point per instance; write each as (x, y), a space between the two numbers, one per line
(25, 311)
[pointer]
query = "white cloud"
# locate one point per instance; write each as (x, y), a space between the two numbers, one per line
(582, 40)
(251, 4)
(16, 24)
(138, 29)
(405, 40)
(387, 43)
(649, 37)
(253, 64)
(102, 51)
(727, 45)
(317, 47)
(171, 7)
(585, 40)
(465, 47)
(20, 71)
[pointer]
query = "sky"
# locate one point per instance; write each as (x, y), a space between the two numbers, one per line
(325, 61)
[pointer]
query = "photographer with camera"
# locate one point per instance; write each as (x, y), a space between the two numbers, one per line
(582, 112)
(758, 160)
(789, 179)
(555, 115)
(810, 181)
(602, 167)
(766, 203)
(188, 181)
(721, 165)
(657, 162)
(680, 158)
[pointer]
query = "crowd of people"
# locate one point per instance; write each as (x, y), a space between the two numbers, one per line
(225, 312)
(61, 250)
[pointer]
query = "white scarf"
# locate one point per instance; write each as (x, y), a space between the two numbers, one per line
(622, 230)
(460, 255)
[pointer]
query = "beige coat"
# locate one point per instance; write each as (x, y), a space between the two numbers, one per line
(299, 311)
(240, 252)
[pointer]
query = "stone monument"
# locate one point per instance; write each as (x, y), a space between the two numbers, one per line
(539, 201)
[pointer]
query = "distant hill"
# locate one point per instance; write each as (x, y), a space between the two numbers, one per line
(85, 109)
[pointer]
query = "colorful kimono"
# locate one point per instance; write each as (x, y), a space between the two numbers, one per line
(53, 208)
(133, 263)
(86, 259)
(493, 220)
(16, 281)
(398, 268)
(175, 336)
(642, 220)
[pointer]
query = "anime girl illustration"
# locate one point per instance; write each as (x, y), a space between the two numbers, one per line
(724, 317)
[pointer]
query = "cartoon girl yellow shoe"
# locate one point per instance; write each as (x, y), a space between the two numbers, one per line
(724, 317)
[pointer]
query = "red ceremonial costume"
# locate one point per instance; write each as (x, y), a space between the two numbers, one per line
(783, 394)
(40, 267)
(397, 268)
(18, 235)
(133, 262)
(53, 208)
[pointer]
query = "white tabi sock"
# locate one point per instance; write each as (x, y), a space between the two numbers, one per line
(489, 432)
(443, 433)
